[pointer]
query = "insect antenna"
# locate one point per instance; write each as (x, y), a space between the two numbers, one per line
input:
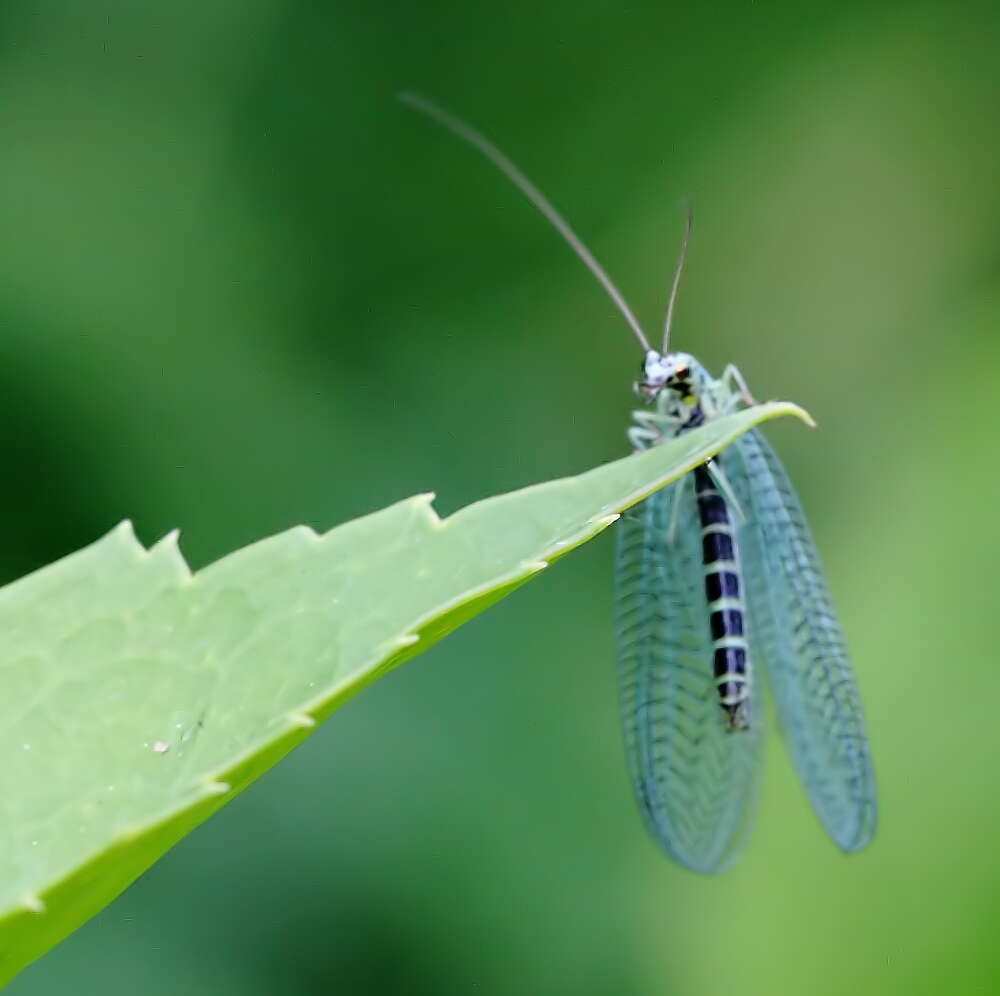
(502, 163)
(677, 277)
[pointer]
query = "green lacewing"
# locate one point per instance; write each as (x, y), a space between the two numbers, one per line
(718, 582)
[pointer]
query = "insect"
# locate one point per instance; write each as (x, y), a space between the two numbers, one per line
(718, 582)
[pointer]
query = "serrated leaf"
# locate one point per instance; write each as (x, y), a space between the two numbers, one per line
(137, 698)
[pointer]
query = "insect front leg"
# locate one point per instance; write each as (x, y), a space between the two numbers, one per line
(646, 432)
(651, 427)
(732, 377)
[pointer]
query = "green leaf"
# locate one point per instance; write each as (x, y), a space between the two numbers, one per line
(138, 698)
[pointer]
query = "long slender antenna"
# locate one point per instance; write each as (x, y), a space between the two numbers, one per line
(677, 277)
(502, 163)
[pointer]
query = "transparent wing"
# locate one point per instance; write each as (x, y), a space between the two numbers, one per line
(796, 635)
(694, 781)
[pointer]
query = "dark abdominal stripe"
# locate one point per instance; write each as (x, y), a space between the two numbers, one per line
(723, 593)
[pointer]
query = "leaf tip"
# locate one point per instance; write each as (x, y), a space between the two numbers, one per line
(125, 531)
(425, 503)
(170, 546)
(790, 408)
(805, 416)
(32, 902)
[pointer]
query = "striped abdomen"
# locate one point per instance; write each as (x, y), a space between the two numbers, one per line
(727, 611)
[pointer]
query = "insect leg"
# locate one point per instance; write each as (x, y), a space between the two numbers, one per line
(733, 375)
(647, 430)
(720, 480)
(650, 428)
(675, 509)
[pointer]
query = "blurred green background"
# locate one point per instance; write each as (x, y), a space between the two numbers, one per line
(241, 288)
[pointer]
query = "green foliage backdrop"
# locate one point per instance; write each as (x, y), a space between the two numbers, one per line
(240, 288)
